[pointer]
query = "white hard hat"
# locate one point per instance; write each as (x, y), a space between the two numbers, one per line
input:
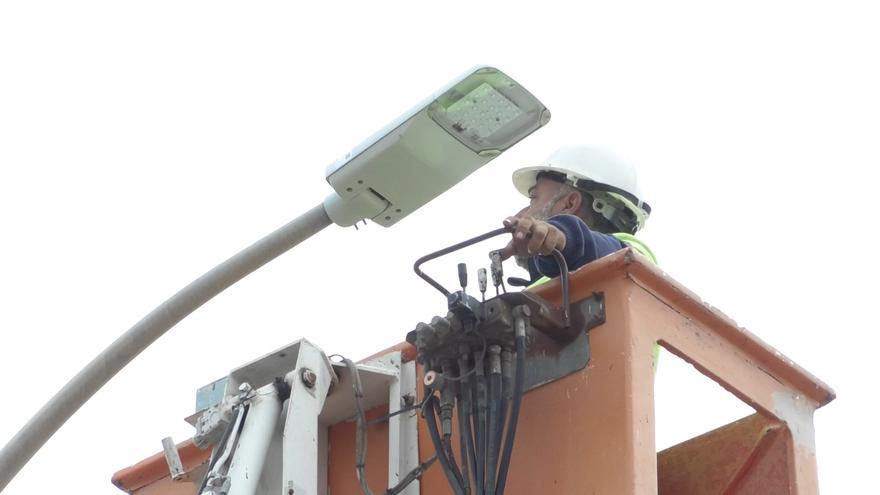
(591, 170)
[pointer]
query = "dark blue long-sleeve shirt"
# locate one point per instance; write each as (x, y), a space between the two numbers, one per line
(582, 246)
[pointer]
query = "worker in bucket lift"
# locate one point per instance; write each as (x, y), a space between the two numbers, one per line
(583, 201)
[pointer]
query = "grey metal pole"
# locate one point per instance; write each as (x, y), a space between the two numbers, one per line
(80, 389)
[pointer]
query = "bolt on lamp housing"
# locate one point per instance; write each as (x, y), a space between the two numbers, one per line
(432, 147)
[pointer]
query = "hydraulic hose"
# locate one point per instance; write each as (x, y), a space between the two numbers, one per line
(446, 440)
(480, 422)
(494, 419)
(506, 392)
(464, 440)
(475, 430)
(90, 379)
(431, 421)
(464, 414)
(463, 443)
(518, 388)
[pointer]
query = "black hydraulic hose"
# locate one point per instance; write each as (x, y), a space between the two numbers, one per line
(431, 421)
(465, 441)
(465, 412)
(447, 445)
(504, 426)
(563, 275)
(494, 425)
(494, 419)
(480, 422)
(474, 430)
(450, 454)
(518, 388)
(506, 393)
(463, 446)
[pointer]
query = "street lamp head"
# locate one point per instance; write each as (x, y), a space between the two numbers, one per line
(432, 147)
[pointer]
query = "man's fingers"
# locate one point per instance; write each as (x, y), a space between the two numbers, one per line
(532, 237)
(523, 229)
(555, 240)
(539, 235)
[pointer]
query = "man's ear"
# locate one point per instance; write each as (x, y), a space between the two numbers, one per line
(571, 203)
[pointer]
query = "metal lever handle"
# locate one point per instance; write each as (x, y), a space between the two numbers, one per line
(557, 255)
(450, 249)
(482, 279)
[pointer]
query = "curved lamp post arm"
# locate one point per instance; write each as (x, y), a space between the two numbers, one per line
(80, 389)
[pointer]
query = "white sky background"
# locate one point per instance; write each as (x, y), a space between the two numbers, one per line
(143, 143)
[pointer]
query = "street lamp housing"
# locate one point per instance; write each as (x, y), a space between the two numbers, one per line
(432, 147)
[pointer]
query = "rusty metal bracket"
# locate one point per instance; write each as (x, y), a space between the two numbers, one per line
(548, 358)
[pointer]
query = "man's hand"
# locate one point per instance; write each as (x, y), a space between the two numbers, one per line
(532, 237)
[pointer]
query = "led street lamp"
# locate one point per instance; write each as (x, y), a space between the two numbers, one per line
(432, 147)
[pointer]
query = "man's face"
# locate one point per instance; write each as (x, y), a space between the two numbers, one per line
(543, 200)
(543, 204)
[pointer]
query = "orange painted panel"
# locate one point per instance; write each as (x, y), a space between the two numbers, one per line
(341, 476)
(145, 477)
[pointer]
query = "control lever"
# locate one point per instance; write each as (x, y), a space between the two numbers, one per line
(497, 271)
(462, 276)
(481, 279)
(497, 274)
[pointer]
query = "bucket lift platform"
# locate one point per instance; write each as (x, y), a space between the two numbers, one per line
(592, 431)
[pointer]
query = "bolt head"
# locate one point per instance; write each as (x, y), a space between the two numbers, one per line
(308, 377)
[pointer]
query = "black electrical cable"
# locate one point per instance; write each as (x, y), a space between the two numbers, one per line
(361, 436)
(402, 410)
(221, 446)
(360, 439)
(413, 475)
(518, 387)
(431, 421)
